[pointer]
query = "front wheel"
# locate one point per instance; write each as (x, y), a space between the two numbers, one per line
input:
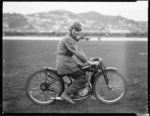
(114, 92)
(42, 85)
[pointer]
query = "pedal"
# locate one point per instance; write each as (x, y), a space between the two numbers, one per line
(56, 98)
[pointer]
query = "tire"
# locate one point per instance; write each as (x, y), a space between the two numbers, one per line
(117, 83)
(37, 91)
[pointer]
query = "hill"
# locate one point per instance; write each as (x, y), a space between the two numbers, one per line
(59, 20)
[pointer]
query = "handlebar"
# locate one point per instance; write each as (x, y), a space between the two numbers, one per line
(96, 59)
(89, 67)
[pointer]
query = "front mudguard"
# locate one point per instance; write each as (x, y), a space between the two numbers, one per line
(100, 73)
(107, 69)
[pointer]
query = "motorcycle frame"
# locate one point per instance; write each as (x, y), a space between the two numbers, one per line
(63, 83)
(101, 71)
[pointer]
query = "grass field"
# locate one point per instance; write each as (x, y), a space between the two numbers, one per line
(21, 58)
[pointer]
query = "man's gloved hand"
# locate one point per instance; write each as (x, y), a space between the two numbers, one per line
(95, 59)
(92, 62)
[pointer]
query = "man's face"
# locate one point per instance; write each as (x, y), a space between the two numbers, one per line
(75, 32)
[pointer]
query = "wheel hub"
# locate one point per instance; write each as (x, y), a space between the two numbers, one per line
(44, 87)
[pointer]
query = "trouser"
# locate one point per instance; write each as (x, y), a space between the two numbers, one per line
(78, 82)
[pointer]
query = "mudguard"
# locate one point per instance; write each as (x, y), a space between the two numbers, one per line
(100, 72)
(108, 68)
(51, 69)
(111, 68)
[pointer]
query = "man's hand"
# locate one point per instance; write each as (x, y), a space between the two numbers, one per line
(92, 63)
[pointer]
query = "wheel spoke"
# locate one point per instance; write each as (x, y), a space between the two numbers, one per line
(117, 90)
(54, 90)
(41, 87)
(43, 76)
(34, 92)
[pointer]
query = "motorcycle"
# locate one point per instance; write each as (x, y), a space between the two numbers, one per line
(45, 86)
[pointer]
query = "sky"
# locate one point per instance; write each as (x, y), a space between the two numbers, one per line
(137, 11)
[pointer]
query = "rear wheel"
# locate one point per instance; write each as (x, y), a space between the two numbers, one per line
(43, 85)
(117, 89)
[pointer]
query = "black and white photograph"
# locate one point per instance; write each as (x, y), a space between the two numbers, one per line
(75, 57)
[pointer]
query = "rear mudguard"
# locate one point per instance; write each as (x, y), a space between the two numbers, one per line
(60, 78)
(100, 73)
(51, 69)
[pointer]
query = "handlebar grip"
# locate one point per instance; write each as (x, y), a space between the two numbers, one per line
(96, 59)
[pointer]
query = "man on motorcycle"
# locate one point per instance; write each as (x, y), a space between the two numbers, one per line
(65, 63)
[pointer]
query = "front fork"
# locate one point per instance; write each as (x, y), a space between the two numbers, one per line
(103, 68)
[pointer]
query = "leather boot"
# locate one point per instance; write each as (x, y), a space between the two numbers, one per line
(67, 98)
